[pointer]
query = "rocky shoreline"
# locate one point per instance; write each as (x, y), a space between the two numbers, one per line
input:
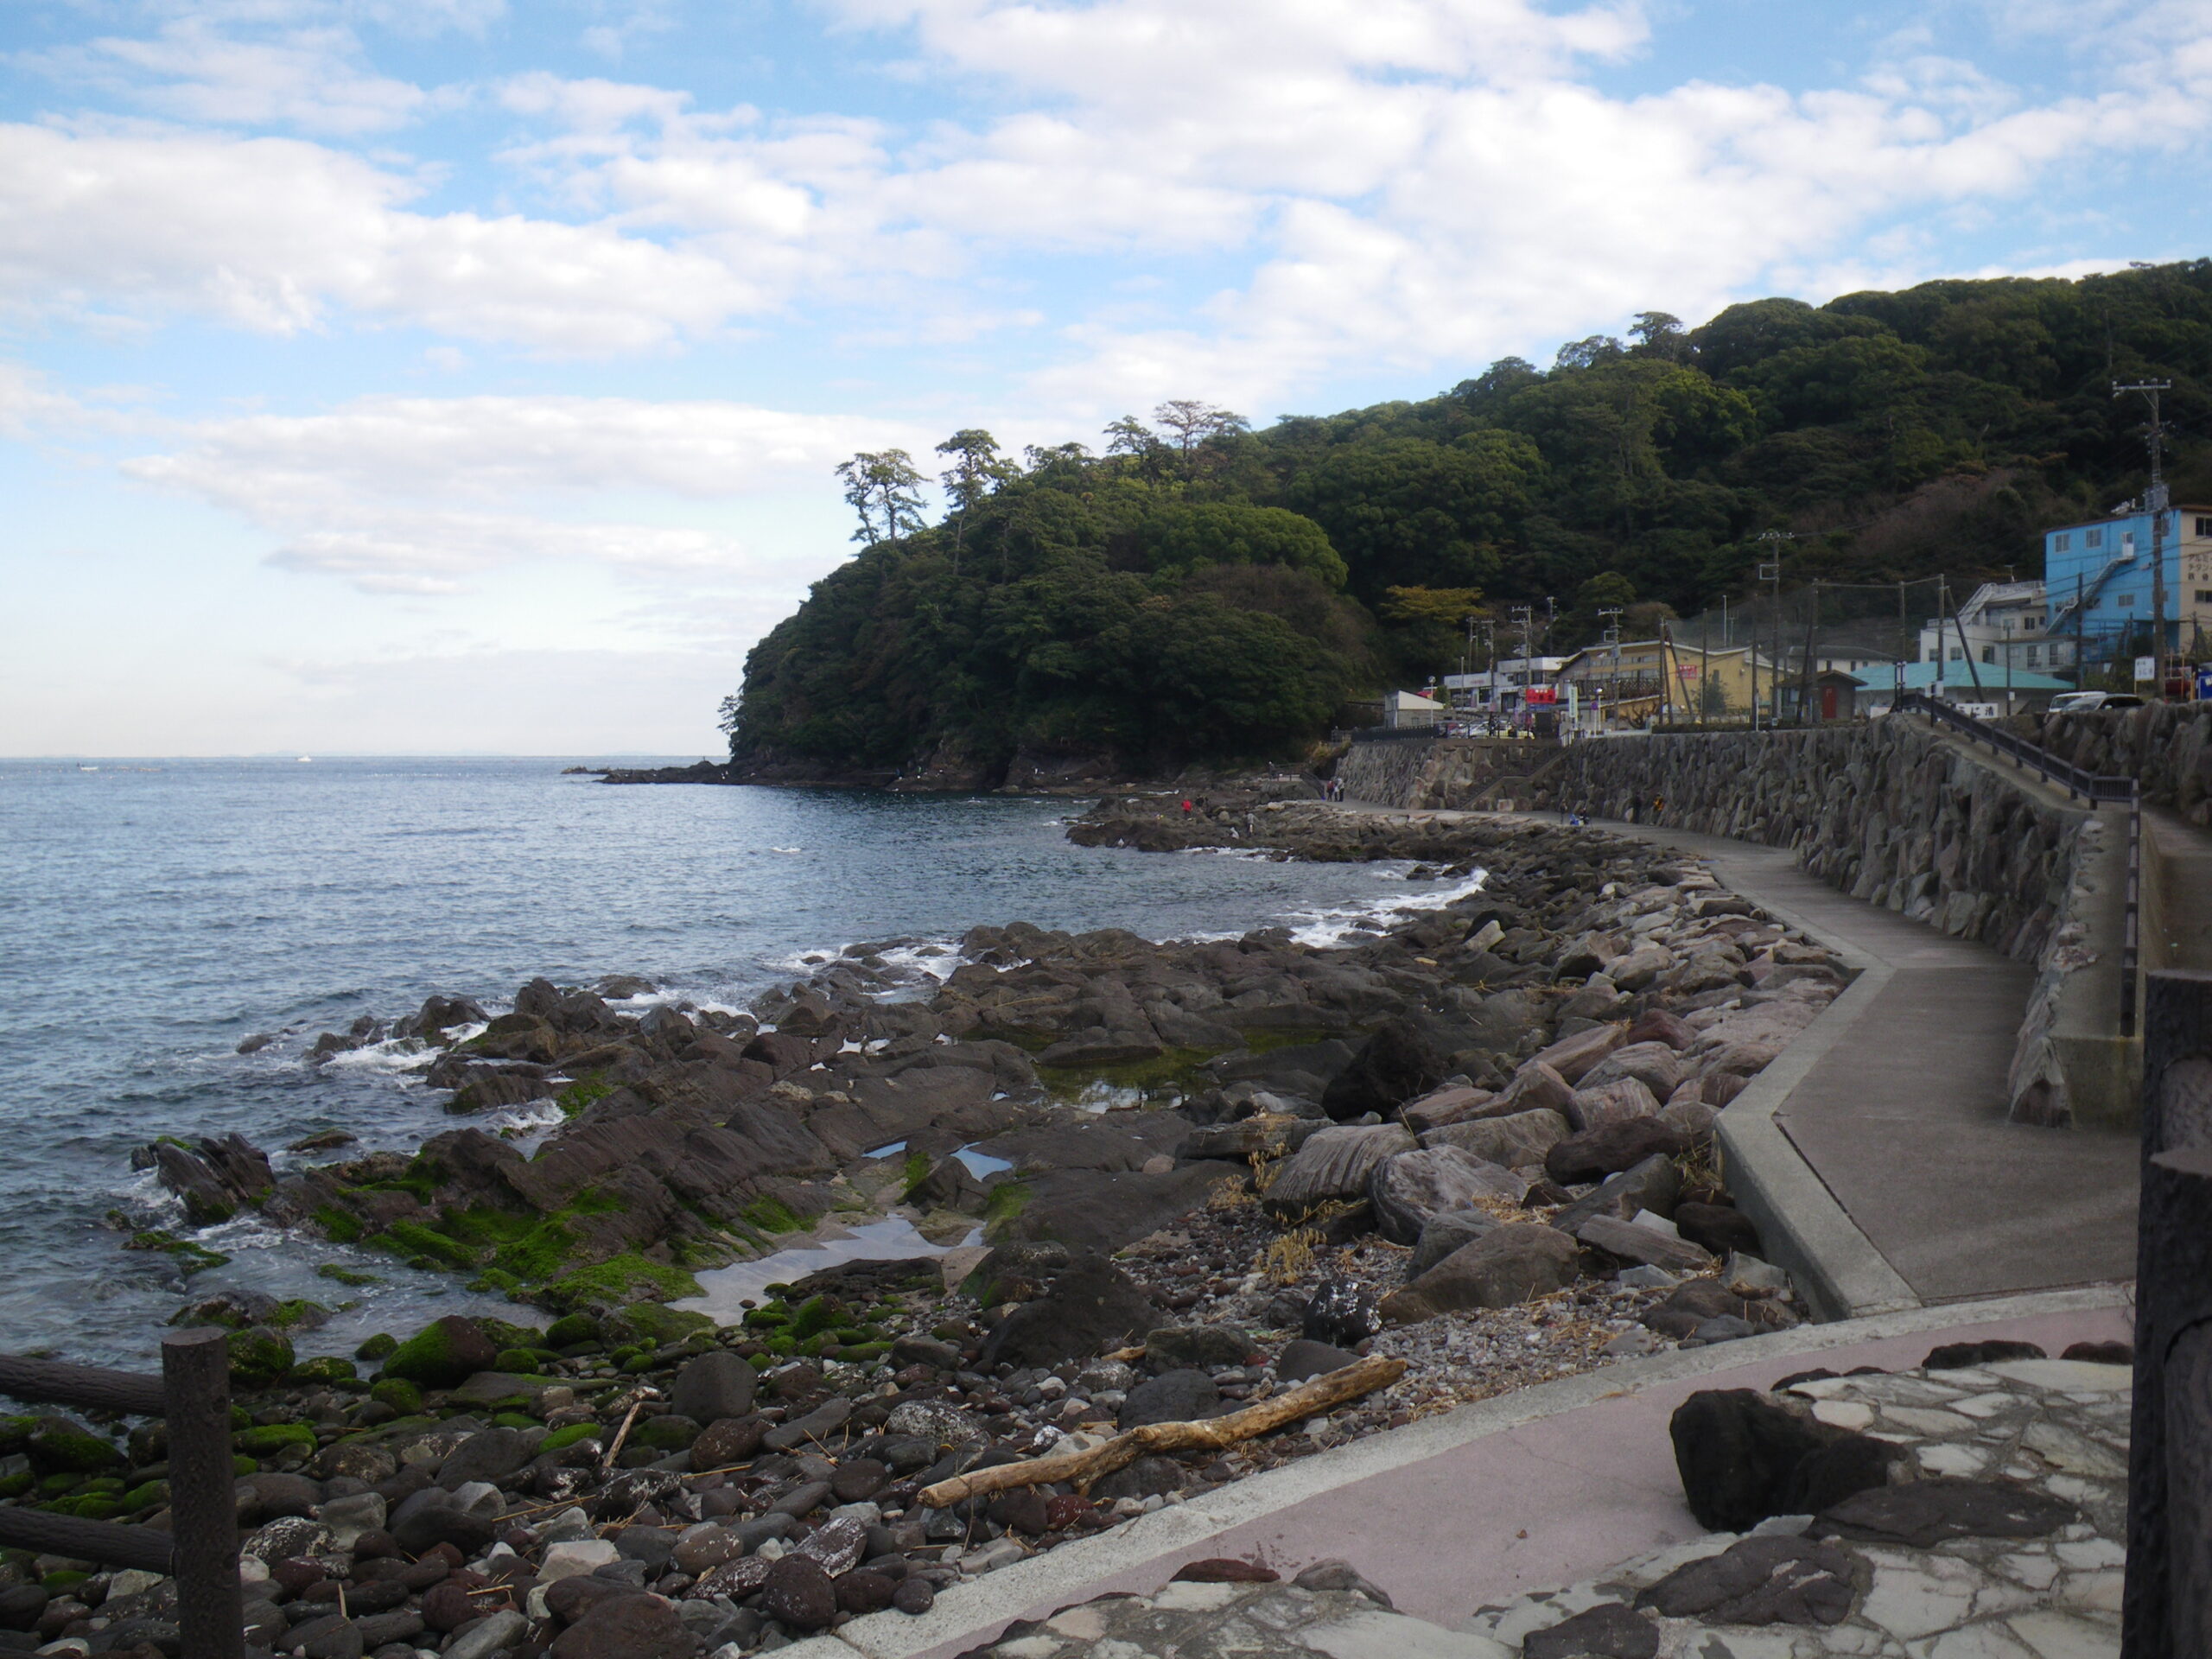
(1150, 1183)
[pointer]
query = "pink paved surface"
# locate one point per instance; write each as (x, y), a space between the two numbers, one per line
(1543, 1503)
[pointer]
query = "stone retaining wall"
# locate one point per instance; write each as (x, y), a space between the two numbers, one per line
(2166, 747)
(1444, 773)
(1891, 813)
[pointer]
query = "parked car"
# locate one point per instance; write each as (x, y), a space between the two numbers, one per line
(2082, 702)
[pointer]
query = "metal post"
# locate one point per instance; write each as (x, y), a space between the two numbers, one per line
(196, 1383)
(2166, 1611)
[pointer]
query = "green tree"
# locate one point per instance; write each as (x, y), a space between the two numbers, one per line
(884, 487)
(976, 471)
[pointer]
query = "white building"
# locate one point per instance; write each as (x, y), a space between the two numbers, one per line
(1500, 689)
(1999, 622)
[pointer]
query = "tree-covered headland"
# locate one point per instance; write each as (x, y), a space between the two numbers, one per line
(1197, 589)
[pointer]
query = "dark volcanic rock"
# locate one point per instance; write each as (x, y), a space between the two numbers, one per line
(1171, 1397)
(799, 1594)
(1397, 1063)
(1759, 1581)
(1957, 1356)
(630, 1626)
(1719, 1229)
(1302, 1359)
(1092, 1304)
(1612, 1630)
(1742, 1457)
(1515, 1263)
(1923, 1513)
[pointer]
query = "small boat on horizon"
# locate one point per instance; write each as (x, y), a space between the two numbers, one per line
(306, 760)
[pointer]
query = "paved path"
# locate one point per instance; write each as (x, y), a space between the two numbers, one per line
(1531, 1488)
(1904, 1118)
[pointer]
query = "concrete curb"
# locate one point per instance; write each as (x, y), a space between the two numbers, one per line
(1836, 1266)
(974, 1612)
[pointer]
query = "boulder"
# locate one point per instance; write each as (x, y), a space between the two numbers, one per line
(1922, 1513)
(1397, 1063)
(1571, 1057)
(1171, 1397)
(1609, 1148)
(634, 1627)
(1691, 1119)
(1658, 1025)
(1611, 1629)
(443, 1354)
(1302, 1360)
(713, 1387)
(1742, 1457)
(1646, 1245)
(1445, 1232)
(1408, 1188)
(1718, 1228)
(1336, 1163)
(1651, 1185)
(1638, 969)
(1534, 1086)
(1092, 1304)
(1654, 1065)
(1446, 1106)
(1760, 1581)
(1612, 1102)
(1205, 1347)
(1512, 1142)
(1515, 1263)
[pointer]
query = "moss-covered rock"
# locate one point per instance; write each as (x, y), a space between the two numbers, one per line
(561, 1437)
(658, 1324)
(268, 1438)
(572, 1329)
(259, 1356)
(92, 1506)
(520, 1361)
(343, 1275)
(400, 1395)
(376, 1347)
(58, 1445)
(667, 1433)
(149, 1494)
(443, 1355)
(618, 1278)
(328, 1369)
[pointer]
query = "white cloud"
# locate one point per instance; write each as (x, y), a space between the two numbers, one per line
(418, 495)
(279, 235)
(312, 78)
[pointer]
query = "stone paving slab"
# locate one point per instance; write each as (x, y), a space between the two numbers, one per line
(2038, 1577)
(1538, 1487)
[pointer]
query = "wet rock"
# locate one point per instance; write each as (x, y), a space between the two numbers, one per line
(443, 1354)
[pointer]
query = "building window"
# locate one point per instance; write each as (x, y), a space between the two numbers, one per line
(2035, 655)
(1957, 654)
(2204, 526)
(2062, 543)
(2093, 538)
(2127, 599)
(1989, 653)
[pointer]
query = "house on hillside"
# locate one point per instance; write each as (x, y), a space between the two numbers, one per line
(1402, 709)
(2097, 580)
(1984, 685)
(1637, 682)
(2000, 623)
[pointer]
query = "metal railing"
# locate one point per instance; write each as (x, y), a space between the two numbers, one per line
(192, 1394)
(2079, 785)
(2075, 781)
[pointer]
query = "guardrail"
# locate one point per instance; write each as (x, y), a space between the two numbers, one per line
(2078, 783)
(192, 1394)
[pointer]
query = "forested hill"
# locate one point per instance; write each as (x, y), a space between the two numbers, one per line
(1200, 590)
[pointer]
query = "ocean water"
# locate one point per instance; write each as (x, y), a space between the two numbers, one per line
(152, 914)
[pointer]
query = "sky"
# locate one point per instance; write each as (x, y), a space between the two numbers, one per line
(467, 376)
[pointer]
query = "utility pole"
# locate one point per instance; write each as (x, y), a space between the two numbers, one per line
(2155, 498)
(1609, 634)
(1769, 572)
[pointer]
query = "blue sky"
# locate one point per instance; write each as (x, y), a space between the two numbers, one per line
(430, 376)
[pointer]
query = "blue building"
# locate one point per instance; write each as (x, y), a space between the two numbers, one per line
(2097, 580)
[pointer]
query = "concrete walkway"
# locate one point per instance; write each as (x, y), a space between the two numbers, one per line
(1903, 1115)
(1531, 1488)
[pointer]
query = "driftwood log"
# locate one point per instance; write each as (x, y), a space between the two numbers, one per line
(1211, 1434)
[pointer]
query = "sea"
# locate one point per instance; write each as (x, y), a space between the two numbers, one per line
(155, 914)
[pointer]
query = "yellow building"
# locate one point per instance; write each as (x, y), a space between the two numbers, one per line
(1638, 682)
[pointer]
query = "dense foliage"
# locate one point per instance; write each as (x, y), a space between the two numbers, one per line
(1203, 590)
